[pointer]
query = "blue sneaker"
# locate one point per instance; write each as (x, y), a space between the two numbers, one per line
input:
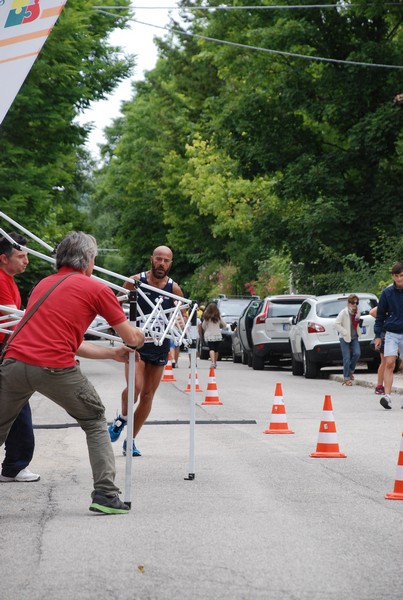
(116, 428)
(135, 451)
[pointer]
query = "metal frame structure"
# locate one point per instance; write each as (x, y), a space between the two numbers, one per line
(160, 324)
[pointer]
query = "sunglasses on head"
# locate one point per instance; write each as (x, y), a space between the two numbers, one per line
(354, 302)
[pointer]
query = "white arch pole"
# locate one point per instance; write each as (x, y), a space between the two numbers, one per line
(21, 228)
(118, 288)
(131, 391)
(192, 399)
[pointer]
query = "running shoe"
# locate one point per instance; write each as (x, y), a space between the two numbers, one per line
(23, 476)
(135, 451)
(108, 505)
(116, 428)
(379, 390)
(386, 402)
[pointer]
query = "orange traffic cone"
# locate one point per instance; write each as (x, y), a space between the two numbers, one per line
(167, 374)
(212, 392)
(278, 422)
(327, 446)
(198, 388)
(397, 493)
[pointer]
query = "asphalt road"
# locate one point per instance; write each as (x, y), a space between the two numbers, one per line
(261, 520)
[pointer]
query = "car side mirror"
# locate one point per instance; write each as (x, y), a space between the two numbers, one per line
(293, 320)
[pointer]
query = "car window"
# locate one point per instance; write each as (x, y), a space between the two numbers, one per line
(253, 309)
(283, 309)
(366, 304)
(232, 308)
(304, 311)
(331, 309)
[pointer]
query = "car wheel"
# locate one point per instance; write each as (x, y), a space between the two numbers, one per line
(250, 357)
(236, 358)
(297, 367)
(257, 362)
(310, 368)
(244, 358)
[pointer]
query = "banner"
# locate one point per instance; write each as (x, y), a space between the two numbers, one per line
(24, 28)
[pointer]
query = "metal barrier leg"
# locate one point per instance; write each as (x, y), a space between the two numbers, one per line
(192, 415)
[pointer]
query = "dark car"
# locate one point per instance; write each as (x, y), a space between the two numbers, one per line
(230, 309)
(242, 347)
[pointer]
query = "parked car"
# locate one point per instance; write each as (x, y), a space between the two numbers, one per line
(242, 335)
(230, 308)
(271, 328)
(314, 342)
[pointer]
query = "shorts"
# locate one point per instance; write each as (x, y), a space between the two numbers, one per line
(213, 346)
(382, 348)
(393, 344)
(155, 355)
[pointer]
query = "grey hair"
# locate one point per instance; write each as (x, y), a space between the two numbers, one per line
(76, 250)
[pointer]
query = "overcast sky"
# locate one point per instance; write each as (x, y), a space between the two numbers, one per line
(139, 41)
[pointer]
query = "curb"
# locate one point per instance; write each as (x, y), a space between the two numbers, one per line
(364, 383)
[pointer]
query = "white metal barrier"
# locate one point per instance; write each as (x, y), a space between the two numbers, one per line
(158, 325)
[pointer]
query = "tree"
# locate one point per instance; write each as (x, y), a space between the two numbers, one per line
(44, 172)
(235, 156)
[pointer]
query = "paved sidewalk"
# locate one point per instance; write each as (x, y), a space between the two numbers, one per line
(366, 379)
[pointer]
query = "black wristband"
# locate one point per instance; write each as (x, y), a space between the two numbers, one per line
(132, 347)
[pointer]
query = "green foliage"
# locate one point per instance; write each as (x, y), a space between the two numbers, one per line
(212, 279)
(273, 276)
(45, 175)
(254, 162)
(40, 142)
(251, 165)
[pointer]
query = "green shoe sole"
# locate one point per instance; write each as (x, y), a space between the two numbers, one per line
(108, 510)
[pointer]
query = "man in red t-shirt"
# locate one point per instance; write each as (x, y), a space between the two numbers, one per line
(42, 357)
(20, 443)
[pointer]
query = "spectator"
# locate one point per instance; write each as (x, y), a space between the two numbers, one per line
(20, 442)
(348, 325)
(200, 310)
(212, 324)
(389, 318)
(380, 389)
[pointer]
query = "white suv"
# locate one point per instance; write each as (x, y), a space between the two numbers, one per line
(271, 328)
(314, 340)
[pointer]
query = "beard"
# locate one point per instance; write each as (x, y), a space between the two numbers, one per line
(159, 273)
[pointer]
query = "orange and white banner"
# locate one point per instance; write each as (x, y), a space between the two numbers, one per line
(24, 28)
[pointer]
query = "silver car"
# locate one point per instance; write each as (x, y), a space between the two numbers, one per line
(242, 334)
(271, 329)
